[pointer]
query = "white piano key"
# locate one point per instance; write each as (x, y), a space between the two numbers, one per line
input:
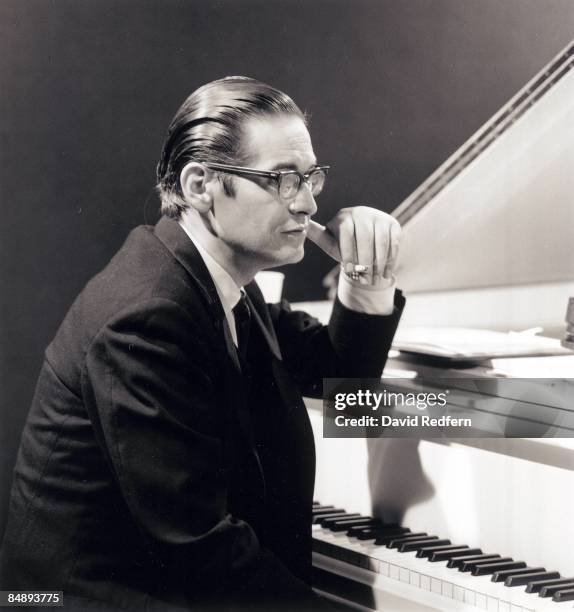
(458, 593)
(469, 597)
(481, 601)
(492, 604)
(404, 574)
(447, 589)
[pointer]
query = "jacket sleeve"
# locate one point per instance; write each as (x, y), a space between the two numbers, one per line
(353, 345)
(148, 378)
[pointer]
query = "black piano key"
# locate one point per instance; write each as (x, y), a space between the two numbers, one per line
(392, 526)
(328, 520)
(319, 509)
(458, 561)
(415, 544)
(374, 533)
(523, 579)
(396, 541)
(341, 514)
(536, 585)
(502, 575)
(317, 518)
(566, 595)
(445, 555)
(358, 519)
(377, 524)
(381, 528)
(468, 566)
(346, 524)
(490, 568)
(549, 591)
(427, 551)
(354, 528)
(351, 520)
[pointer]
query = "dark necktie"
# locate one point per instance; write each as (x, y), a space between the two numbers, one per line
(242, 316)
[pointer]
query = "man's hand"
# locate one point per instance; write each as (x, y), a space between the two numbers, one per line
(360, 236)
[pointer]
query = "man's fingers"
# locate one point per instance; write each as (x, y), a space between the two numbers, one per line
(347, 243)
(381, 246)
(324, 239)
(341, 247)
(387, 238)
(365, 245)
(395, 238)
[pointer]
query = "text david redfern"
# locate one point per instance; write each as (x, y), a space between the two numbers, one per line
(407, 421)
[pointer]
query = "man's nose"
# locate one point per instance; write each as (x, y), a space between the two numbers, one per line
(304, 202)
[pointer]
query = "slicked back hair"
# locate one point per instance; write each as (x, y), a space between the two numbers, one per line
(208, 127)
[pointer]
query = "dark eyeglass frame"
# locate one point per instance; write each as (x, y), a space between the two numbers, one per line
(276, 175)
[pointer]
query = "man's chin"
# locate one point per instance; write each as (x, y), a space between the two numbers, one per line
(295, 256)
(284, 259)
(298, 255)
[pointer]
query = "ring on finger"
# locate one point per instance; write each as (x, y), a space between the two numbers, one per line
(355, 271)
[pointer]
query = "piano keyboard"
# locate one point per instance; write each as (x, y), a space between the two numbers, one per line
(362, 562)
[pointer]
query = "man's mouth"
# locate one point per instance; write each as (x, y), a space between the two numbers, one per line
(301, 229)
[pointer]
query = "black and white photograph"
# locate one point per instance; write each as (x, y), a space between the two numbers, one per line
(287, 297)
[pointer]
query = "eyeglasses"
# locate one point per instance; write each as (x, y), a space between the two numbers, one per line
(288, 181)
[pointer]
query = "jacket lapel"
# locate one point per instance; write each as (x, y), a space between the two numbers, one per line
(182, 248)
(174, 238)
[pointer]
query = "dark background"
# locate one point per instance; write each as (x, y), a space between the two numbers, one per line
(89, 87)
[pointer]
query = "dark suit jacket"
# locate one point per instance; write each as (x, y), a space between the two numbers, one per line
(155, 468)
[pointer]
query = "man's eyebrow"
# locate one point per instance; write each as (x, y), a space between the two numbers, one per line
(282, 166)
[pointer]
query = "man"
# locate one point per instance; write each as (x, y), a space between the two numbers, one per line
(168, 461)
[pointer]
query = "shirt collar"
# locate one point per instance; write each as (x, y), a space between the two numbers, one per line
(227, 289)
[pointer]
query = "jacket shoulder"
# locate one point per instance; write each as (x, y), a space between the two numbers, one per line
(139, 275)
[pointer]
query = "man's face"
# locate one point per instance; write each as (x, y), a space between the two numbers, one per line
(261, 229)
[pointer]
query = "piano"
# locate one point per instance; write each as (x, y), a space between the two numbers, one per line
(367, 564)
(469, 523)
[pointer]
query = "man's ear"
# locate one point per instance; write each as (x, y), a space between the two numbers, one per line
(193, 180)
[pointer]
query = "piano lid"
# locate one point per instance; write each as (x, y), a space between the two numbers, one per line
(500, 211)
